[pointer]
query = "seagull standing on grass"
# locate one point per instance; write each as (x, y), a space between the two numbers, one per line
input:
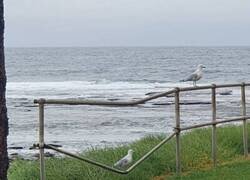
(126, 160)
(196, 75)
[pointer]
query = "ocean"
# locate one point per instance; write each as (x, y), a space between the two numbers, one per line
(113, 74)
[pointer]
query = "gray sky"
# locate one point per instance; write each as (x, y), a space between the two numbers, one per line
(127, 22)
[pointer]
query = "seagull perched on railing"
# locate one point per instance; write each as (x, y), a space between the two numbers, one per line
(196, 75)
(126, 160)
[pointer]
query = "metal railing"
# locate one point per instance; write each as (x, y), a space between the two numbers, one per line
(177, 129)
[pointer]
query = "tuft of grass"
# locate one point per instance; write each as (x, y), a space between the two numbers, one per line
(195, 151)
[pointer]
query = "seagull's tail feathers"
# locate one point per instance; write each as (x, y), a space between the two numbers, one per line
(116, 164)
(183, 80)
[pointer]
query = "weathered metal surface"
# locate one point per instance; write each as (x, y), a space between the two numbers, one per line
(104, 103)
(41, 141)
(228, 120)
(177, 127)
(104, 166)
(214, 138)
(243, 109)
(130, 103)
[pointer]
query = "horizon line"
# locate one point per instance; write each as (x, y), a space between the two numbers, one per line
(128, 46)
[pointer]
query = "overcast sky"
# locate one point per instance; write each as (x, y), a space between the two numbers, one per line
(127, 22)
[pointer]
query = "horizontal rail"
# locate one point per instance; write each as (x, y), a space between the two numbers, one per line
(133, 102)
(240, 118)
(102, 103)
(104, 166)
(212, 86)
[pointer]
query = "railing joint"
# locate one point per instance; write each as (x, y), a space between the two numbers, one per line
(41, 146)
(177, 89)
(35, 146)
(177, 130)
(40, 101)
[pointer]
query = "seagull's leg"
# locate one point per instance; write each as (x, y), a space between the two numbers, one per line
(194, 83)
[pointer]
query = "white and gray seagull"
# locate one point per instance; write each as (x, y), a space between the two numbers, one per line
(196, 75)
(126, 160)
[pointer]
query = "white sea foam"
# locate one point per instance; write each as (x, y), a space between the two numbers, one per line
(82, 85)
(92, 89)
(71, 89)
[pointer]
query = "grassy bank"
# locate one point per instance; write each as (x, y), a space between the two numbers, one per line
(196, 155)
(238, 169)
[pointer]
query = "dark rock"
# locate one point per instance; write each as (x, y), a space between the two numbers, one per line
(226, 92)
(155, 93)
(103, 141)
(36, 147)
(106, 123)
(36, 155)
(30, 106)
(170, 95)
(14, 156)
(194, 102)
(46, 154)
(113, 99)
(32, 147)
(151, 93)
(16, 147)
(184, 103)
(55, 145)
(163, 103)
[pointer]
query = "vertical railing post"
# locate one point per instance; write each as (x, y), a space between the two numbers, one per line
(243, 111)
(214, 138)
(41, 139)
(177, 119)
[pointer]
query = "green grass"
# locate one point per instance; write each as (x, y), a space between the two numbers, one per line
(239, 170)
(195, 149)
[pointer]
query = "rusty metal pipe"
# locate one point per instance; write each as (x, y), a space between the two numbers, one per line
(104, 166)
(41, 140)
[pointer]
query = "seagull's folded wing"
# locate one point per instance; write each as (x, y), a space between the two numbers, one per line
(192, 77)
(122, 162)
